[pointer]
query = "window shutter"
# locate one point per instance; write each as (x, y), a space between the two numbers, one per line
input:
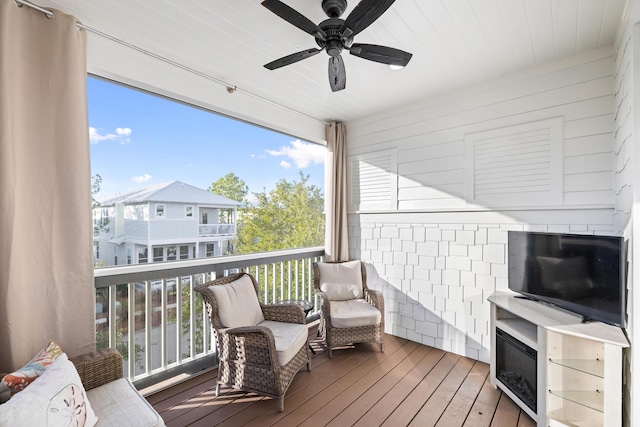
(374, 181)
(515, 166)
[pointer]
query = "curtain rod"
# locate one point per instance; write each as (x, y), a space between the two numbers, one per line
(230, 88)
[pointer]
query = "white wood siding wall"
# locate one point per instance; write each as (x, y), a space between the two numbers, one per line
(438, 253)
(430, 139)
(174, 225)
(136, 229)
(624, 82)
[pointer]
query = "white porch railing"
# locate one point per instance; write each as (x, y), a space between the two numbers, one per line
(216, 229)
(150, 313)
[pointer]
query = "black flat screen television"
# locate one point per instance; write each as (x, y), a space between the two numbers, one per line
(584, 274)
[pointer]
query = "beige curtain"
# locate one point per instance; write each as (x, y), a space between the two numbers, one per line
(46, 232)
(337, 236)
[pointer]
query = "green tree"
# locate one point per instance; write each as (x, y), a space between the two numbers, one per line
(96, 180)
(289, 216)
(232, 187)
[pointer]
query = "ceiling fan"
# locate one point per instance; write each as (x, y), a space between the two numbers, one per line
(335, 34)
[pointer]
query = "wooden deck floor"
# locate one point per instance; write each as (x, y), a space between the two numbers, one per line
(408, 384)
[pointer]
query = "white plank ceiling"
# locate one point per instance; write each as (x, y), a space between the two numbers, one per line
(455, 43)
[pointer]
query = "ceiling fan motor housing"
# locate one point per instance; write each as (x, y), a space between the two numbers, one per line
(334, 8)
(335, 40)
(334, 35)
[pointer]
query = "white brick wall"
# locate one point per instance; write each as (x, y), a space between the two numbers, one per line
(438, 287)
(434, 293)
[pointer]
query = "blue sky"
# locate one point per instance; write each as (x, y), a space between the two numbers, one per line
(138, 139)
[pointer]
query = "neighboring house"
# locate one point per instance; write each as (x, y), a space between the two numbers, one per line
(164, 222)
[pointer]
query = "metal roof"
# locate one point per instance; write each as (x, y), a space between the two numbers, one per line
(171, 192)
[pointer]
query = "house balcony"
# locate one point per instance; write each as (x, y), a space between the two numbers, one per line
(216, 230)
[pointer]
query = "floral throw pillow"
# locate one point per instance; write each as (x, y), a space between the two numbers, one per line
(18, 380)
(55, 399)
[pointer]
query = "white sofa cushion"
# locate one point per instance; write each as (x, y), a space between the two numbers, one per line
(289, 337)
(354, 313)
(118, 404)
(238, 303)
(341, 281)
(55, 398)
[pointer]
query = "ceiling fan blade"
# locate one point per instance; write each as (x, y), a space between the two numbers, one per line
(290, 59)
(337, 73)
(382, 54)
(294, 17)
(363, 15)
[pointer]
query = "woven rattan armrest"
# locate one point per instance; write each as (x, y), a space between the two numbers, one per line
(325, 306)
(246, 348)
(98, 367)
(244, 330)
(289, 313)
(323, 297)
(375, 298)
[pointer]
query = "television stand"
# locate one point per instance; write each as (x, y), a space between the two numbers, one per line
(576, 373)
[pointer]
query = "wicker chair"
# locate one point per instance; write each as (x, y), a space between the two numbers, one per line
(351, 312)
(252, 357)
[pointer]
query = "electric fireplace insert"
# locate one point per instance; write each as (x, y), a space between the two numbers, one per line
(517, 368)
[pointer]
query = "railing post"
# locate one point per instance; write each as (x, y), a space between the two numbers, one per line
(192, 320)
(178, 320)
(131, 328)
(148, 327)
(297, 278)
(112, 316)
(163, 324)
(289, 279)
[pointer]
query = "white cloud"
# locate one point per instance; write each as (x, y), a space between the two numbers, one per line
(98, 135)
(285, 164)
(141, 178)
(95, 136)
(303, 154)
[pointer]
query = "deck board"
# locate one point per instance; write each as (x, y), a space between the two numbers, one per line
(376, 414)
(484, 407)
(433, 409)
(406, 411)
(408, 384)
(465, 396)
(378, 395)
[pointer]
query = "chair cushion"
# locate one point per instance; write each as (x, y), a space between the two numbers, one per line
(118, 404)
(341, 281)
(289, 337)
(353, 313)
(237, 303)
(341, 291)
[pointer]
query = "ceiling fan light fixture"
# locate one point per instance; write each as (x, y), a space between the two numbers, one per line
(395, 67)
(335, 35)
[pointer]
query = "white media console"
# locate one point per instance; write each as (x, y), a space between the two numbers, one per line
(577, 366)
